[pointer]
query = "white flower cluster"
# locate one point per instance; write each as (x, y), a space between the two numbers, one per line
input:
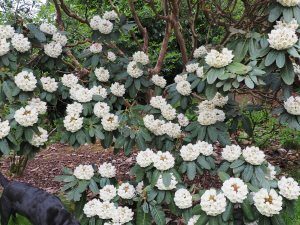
(39, 105)
(159, 81)
(6, 31)
(74, 109)
(292, 105)
(90, 208)
(231, 152)
(4, 128)
(102, 74)
(219, 59)
(110, 122)
(163, 161)
(141, 57)
(184, 88)
(145, 158)
(20, 43)
(160, 127)
(200, 72)
(49, 84)
(161, 186)
(134, 70)
(60, 38)
(267, 203)
(110, 15)
(53, 49)
(107, 170)
(104, 210)
(81, 94)
(208, 114)
(96, 48)
(200, 52)
(213, 203)
(25, 80)
(26, 116)
(73, 122)
(192, 67)
(180, 77)
(253, 155)
(40, 138)
(4, 47)
(289, 3)
(191, 152)
(126, 191)
(108, 192)
(271, 172)
(193, 220)
(69, 80)
(289, 188)
(111, 56)
(101, 24)
(235, 190)
(48, 28)
(182, 120)
(183, 199)
(99, 90)
(122, 215)
(101, 109)
(282, 37)
(204, 148)
(293, 24)
(117, 89)
(84, 172)
(167, 110)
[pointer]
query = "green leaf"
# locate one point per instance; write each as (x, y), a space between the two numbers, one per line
(271, 57)
(191, 170)
(203, 163)
(247, 173)
(274, 14)
(228, 212)
(94, 187)
(213, 74)
(238, 68)
(277, 220)
(280, 59)
(213, 220)
(158, 214)
(237, 163)
(167, 177)
(4, 147)
(140, 142)
(203, 219)
(247, 210)
(142, 218)
(263, 220)
(249, 83)
(223, 176)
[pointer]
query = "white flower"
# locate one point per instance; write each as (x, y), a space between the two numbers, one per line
(99, 90)
(183, 199)
(219, 59)
(60, 38)
(159, 81)
(74, 109)
(122, 215)
(168, 112)
(4, 128)
(161, 186)
(84, 172)
(267, 203)
(231, 152)
(111, 56)
(39, 105)
(25, 80)
(108, 192)
(158, 102)
(193, 220)
(204, 148)
(91, 207)
(26, 116)
(140, 187)
(117, 89)
(289, 188)
(141, 57)
(209, 117)
(145, 158)
(101, 109)
(154, 125)
(189, 152)
(293, 24)
(192, 67)
(105, 26)
(69, 80)
(40, 138)
(206, 106)
(73, 123)
(297, 70)
(200, 52)
(4, 47)
(178, 78)
(289, 3)
(20, 43)
(107, 170)
(163, 160)
(254, 155)
(110, 15)
(106, 210)
(282, 38)
(292, 105)
(6, 31)
(213, 203)
(235, 190)
(53, 49)
(49, 84)
(200, 72)
(219, 100)
(184, 88)
(126, 191)
(96, 48)
(102, 74)
(110, 122)
(171, 129)
(48, 28)
(95, 22)
(81, 94)
(271, 172)
(183, 120)
(134, 70)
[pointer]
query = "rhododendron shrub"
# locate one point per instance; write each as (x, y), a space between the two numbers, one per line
(101, 93)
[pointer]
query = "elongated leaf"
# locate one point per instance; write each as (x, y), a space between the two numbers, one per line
(158, 215)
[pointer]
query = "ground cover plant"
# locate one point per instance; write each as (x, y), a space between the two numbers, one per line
(93, 88)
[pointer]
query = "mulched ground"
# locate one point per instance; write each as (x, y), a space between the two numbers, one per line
(41, 171)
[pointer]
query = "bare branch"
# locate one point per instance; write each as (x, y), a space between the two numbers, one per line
(70, 13)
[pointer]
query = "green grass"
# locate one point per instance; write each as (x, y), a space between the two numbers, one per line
(296, 219)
